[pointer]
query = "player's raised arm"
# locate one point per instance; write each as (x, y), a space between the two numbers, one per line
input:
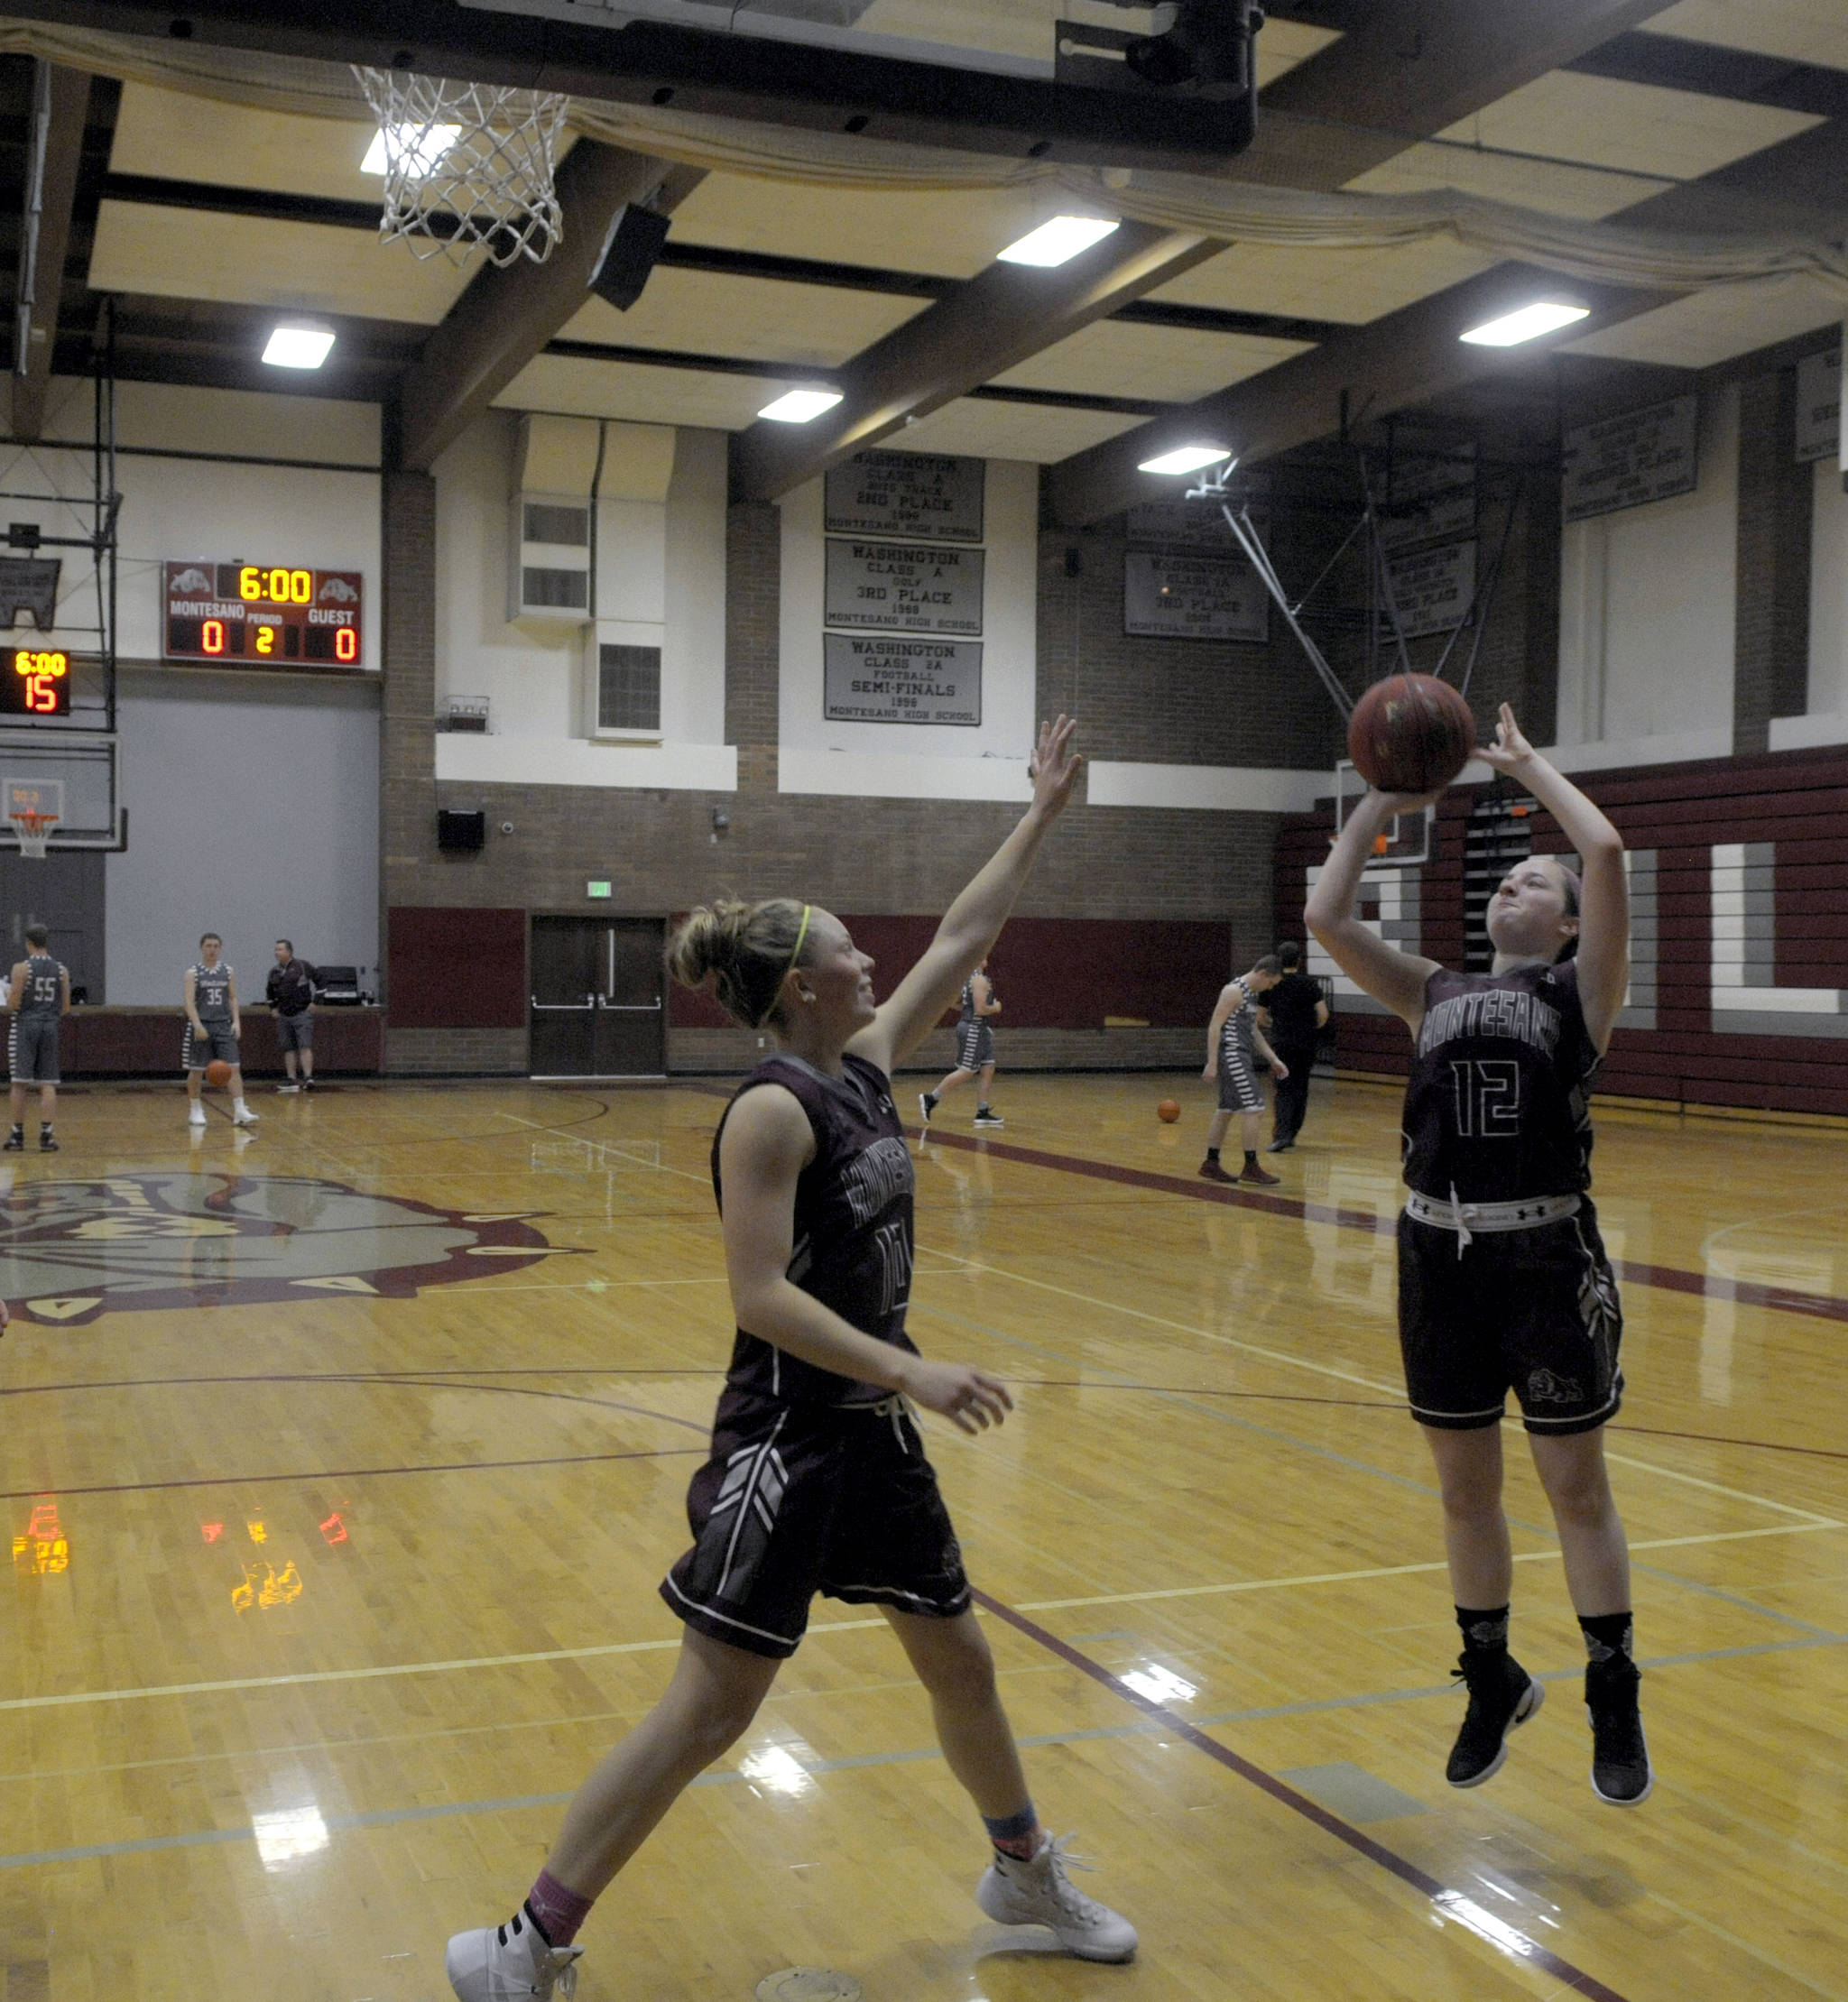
(973, 923)
(1396, 978)
(1604, 915)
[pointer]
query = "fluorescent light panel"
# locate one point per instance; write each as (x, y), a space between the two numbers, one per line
(1185, 458)
(426, 143)
(1056, 242)
(298, 346)
(1528, 324)
(800, 406)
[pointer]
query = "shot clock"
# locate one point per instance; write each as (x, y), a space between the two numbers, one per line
(39, 684)
(263, 615)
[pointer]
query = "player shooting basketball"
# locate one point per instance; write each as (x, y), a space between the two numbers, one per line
(1504, 1283)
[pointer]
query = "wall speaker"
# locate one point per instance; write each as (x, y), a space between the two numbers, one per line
(461, 834)
(629, 252)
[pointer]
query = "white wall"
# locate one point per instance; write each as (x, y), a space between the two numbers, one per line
(253, 812)
(532, 673)
(917, 761)
(1645, 613)
(252, 794)
(174, 507)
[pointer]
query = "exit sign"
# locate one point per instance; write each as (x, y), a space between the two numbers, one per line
(597, 890)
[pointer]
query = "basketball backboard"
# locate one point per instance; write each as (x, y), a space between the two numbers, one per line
(1408, 837)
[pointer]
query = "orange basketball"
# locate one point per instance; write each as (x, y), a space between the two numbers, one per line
(1167, 1112)
(217, 1071)
(1410, 733)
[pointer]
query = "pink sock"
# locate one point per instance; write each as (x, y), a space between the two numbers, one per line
(556, 1911)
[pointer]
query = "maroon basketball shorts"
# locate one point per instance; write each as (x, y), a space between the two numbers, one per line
(799, 1499)
(1535, 1312)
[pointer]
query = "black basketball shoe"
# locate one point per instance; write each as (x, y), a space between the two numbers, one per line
(1620, 1771)
(1502, 1695)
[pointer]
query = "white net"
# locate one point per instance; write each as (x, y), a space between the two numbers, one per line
(34, 832)
(468, 166)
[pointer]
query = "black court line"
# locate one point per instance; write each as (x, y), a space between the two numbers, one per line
(1451, 1905)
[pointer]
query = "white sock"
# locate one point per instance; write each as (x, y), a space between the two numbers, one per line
(237, 1105)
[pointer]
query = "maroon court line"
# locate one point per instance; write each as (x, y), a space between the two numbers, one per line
(1408, 1872)
(1669, 1278)
(346, 1474)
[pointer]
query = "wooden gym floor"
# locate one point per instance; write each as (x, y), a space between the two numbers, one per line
(341, 1465)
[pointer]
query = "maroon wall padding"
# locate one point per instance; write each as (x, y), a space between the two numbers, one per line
(456, 968)
(1050, 972)
(142, 1042)
(1794, 798)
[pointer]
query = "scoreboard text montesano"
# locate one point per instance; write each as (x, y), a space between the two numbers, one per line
(261, 616)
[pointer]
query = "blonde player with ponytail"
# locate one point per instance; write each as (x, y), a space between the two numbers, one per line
(818, 1481)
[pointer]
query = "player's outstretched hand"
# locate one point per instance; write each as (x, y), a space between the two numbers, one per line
(1054, 767)
(1510, 750)
(971, 1400)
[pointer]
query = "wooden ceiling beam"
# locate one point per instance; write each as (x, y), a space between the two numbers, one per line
(1385, 366)
(507, 316)
(35, 312)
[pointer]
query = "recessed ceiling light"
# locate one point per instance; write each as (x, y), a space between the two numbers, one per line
(800, 406)
(1528, 324)
(427, 144)
(1185, 458)
(298, 346)
(1053, 243)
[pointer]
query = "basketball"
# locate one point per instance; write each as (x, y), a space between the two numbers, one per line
(1410, 733)
(1167, 1112)
(217, 1071)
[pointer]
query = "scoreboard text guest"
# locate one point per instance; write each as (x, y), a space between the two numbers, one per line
(262, 614)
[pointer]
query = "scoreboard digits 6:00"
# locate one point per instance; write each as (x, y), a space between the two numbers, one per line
(263, 615)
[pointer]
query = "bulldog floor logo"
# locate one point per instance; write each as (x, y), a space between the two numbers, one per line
(71, 1250)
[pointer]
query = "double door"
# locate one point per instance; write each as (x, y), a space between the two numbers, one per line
(597, 990)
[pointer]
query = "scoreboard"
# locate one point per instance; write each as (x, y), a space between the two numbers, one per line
(261, 616)
(39, 684)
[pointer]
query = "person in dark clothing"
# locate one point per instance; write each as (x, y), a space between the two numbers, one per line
(291, 996)
(818, 1481)
(1504, 1280)
(1297, 1013)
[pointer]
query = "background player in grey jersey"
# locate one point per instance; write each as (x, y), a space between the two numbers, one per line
(39, 994)
(212, 1026)
(975, 1049)
(1233, 1037)
(1504, 1283)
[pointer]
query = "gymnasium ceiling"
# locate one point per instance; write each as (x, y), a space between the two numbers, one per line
(202, 219)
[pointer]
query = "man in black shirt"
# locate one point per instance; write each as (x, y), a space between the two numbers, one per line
(1297, 1013)
(291, 996)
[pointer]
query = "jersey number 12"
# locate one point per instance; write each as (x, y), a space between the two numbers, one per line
(1488, 1098)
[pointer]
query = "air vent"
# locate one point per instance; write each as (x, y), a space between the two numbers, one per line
(544, 588)
(546, 521)
(628, 689)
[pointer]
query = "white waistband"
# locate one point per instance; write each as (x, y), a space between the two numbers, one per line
(1466, 1219)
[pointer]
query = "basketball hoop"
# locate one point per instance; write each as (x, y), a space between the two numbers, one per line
(34, 806)
(468, 166)
(34, 831)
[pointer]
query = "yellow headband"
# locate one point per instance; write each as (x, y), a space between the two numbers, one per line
(802, 933)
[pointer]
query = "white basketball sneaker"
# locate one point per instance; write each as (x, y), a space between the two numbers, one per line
(1040, 1893)
(498, 1963)
(243, 1116)
(196, 1115)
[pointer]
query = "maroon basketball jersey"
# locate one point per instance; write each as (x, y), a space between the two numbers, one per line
(854, 1225)
(1497, 1106)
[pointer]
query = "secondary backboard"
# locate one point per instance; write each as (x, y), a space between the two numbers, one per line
(1406, 840)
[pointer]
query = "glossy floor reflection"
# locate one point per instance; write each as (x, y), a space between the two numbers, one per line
(340, 1466)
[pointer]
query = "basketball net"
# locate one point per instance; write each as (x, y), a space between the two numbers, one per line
(468, 166)
(34, 831)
